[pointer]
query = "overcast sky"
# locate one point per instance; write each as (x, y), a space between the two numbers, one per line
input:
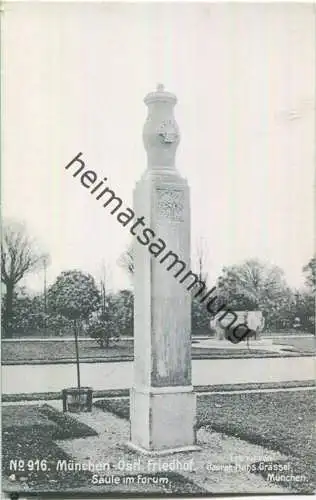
(74, 79)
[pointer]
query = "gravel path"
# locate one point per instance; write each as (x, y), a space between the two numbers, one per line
(109, 447)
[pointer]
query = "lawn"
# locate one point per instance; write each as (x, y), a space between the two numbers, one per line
(61, 350)
(306, 344)
(43, 419)
(281, 421)
(64, 351)
(28, 432)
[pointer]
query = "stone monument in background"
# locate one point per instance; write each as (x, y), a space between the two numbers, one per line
(163, 405)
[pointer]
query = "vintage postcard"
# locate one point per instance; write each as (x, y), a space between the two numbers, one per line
(158, 266)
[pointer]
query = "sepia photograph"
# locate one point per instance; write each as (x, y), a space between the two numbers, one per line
(158, 264)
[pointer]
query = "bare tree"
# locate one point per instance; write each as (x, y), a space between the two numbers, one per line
(45, 262)
(104, 285)
(202, 260)
(126, 260)
(19, 256)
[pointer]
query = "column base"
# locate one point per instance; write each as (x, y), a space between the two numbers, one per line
(160, 453)
(163, 420)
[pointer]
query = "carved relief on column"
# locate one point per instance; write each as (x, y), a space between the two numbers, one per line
(170, 204)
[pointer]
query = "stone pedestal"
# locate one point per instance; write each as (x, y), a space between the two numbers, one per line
(163, 405)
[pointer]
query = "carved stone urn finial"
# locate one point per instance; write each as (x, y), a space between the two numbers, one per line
(161, 132)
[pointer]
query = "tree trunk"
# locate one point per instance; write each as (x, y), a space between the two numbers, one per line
(77, 354)
(8, 313)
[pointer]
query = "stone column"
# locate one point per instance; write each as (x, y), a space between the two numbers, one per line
(163, 405)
